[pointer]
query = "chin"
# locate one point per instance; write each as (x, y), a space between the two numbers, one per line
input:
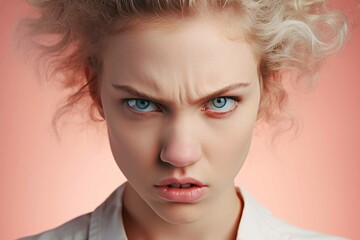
(180, 213)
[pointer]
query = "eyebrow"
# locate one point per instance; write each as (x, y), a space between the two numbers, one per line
(137, 93)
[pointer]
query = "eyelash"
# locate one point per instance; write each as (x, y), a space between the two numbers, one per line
(236, 100)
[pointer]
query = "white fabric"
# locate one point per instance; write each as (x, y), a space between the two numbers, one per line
(106, 223)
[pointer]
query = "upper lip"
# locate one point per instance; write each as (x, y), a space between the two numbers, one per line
(173, 180)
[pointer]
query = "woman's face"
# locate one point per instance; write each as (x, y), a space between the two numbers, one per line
(180, 106)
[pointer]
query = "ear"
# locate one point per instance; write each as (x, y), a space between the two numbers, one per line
(262, 98)
(94, 89)
(87, 73)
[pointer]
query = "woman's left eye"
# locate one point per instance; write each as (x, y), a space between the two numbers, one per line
(222, 104)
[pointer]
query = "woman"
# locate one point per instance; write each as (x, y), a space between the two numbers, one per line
(181, 85)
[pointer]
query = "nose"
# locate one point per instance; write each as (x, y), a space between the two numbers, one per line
(181, 146)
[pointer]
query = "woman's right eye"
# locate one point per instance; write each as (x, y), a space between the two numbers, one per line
(141, 105)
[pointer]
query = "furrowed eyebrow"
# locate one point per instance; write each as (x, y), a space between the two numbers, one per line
(215, 94)
(223, 91)
(137, 93)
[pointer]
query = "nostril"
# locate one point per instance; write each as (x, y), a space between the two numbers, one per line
(180, 151)
(179, 159)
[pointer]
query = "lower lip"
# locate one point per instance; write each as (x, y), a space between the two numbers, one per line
(181, 195)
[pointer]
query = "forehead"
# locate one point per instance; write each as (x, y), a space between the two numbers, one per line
(195, 40)
(229, 21)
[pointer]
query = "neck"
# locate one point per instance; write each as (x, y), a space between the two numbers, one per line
(220, 221)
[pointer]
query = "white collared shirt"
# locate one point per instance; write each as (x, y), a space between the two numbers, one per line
(106, 223)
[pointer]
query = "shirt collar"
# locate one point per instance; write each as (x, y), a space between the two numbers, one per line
(106, 221)
(252, 222)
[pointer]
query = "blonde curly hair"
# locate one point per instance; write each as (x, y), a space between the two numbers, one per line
(69, 36)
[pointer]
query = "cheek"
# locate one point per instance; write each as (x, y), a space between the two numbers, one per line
(232, 147)
(227, 146)
(135, 147)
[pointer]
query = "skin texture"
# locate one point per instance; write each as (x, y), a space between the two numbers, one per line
(179, 136)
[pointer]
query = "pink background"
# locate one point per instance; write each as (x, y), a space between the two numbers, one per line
(311, 182)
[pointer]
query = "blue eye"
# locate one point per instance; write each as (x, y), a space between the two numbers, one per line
(141, 105)
(221, 104)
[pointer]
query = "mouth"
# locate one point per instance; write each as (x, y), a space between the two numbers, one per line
(185, 190)
(177, 185)
(180, 183)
